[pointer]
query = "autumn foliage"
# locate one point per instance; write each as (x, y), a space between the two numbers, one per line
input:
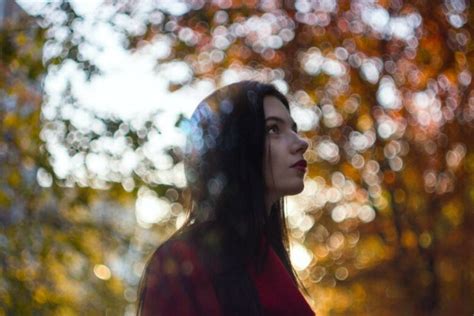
(383, 92)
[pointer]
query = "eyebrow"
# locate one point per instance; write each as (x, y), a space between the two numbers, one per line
(280, 120)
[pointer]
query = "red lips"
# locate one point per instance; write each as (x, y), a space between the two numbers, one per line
(300, 164)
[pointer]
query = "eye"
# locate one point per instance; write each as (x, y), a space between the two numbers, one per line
(295, 128)
(272, 128)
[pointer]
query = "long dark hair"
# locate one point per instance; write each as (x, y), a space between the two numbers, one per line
(224, 160)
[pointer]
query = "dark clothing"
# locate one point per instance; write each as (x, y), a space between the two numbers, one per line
(178, 281)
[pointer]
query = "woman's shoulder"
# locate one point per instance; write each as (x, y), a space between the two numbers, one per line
(207, 245)
(171, 259)
(175, 273)
(177, 258)
(188, 245)
(173, 251)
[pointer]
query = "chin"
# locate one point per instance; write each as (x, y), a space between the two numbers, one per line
(295, 189)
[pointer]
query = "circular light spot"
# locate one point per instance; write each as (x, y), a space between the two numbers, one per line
(102, 272)
(300, 256)
(341, 273)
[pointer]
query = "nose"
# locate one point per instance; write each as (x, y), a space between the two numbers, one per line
(302, 144)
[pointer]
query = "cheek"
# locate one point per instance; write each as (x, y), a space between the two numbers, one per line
(279, 177)
(275, 164)
(288, 181)
(279, 158)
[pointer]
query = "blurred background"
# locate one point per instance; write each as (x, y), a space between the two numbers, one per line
(92, 97)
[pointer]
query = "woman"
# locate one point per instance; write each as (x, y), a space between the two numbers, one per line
(243, 155)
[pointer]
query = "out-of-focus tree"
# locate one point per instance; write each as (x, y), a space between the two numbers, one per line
(64, 250)
(383, 91)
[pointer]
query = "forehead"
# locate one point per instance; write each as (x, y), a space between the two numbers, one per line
(274, 107)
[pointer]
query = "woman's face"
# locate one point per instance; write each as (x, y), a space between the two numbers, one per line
(283, 149)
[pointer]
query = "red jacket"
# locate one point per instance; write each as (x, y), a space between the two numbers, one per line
(176, 283)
